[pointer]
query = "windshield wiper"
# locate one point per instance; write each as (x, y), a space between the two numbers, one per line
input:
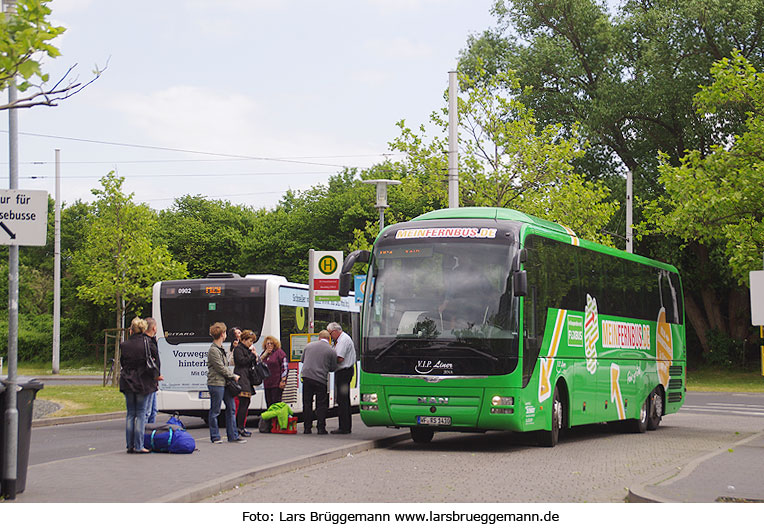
(386, 349)
(461, 347)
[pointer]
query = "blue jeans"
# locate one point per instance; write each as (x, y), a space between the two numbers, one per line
(151, 408)
(136, 419)
(218, 395)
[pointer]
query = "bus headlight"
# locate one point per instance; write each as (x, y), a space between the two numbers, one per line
(371, 398)
(498, 401)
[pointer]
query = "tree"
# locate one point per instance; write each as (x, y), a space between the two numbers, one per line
(118, 264)
(25, 36)
(716, 200)
(508, 160)
(628, 78)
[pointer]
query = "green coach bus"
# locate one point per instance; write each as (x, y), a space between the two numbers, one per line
(479, 319)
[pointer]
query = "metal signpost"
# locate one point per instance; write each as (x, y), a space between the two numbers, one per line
(381, 203)
(757, 307)
(23, 222)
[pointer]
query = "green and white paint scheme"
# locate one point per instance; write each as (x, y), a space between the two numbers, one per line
(480, 319)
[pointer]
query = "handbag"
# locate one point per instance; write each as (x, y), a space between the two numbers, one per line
(151, 364)
(232, 387)
(262, 370)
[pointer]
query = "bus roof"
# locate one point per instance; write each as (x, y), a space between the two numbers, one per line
(493, 213)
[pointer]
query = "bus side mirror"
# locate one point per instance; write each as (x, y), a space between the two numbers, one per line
(346, 281)
(346, 278)
(520, 283)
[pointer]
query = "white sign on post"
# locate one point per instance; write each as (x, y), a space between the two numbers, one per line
(23, 217)
(326, 275)
(757, 298)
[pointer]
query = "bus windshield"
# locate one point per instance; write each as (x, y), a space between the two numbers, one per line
(444, 301)
(189, 307)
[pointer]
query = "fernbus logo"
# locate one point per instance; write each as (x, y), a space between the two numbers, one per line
(327, 265)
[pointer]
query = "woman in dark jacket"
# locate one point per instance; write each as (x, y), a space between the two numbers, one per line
(276, 361)
(137, 382)
(242, 360)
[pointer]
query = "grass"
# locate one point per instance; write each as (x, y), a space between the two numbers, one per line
(65, 368)
(76, 400)
(725, 380)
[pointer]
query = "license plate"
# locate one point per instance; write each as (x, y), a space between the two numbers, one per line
(204, 394)
(433, 420)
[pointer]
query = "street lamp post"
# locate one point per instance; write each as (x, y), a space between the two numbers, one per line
(382, 197)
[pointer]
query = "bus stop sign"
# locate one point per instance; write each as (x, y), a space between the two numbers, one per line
(23, 217)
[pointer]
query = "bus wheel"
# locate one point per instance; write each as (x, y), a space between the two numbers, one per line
(640, 425)
(422, 435)
(550, 438)
(655, 411)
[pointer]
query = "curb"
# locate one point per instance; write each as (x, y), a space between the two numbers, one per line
(66, 420)
(639, 493)
(213, 487)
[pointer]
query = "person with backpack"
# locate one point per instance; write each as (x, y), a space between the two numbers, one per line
(243, 360)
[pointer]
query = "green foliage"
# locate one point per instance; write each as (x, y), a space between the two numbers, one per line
(24, 38)
(208, 235)
(119, 262)
(717, 198)
(507, 159)
(723, 350)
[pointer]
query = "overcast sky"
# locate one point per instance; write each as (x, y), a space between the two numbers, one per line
(320, 83)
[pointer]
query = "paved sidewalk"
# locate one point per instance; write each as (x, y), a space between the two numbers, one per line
(157, 477)
(731, 474)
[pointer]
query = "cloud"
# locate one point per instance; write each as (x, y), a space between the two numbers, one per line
(400, 48)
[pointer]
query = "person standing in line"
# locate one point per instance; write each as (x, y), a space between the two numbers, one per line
(318, 359)
(217, 373)
(235, 334)
(243, 360)
(151, 401)
(276, 361)
(345, 350)
(136, 382)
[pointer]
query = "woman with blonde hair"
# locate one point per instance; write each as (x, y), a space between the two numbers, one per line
(276, 361)
(136, 381)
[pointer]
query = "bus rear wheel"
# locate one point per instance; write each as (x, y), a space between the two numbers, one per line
(655, 412)
(422, 435)
(550, 438)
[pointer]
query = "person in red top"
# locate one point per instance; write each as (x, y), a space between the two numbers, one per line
(276, 361)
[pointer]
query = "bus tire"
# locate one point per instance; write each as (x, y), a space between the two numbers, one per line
(639, 425)
(550, 438)
(655, 412)
(422, 435)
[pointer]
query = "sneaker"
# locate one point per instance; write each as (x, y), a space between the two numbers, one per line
(238, 441)
(245, 434)
(307, 431)
(322, 431)
(218, 441)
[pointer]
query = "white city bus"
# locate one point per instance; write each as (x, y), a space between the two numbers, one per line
(266, 304)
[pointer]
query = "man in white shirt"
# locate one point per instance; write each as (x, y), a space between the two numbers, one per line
(346, 359)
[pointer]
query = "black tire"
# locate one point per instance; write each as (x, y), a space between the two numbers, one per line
(655, 412)
(550, 438)
(640, 424)
(422, 435)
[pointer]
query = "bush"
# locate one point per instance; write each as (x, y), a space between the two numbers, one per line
(724, 350)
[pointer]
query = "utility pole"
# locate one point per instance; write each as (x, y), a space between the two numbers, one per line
(629, 220)
(453, 141)
(57, 270)
(10, 473)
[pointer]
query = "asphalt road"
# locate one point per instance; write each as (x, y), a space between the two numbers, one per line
(592, 464)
